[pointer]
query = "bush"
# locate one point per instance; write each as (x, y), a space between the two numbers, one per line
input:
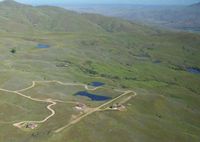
(13, 51)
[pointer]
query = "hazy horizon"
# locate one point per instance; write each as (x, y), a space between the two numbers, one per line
(142, 2)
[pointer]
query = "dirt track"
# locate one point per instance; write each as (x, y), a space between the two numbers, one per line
(54, 102)
(93, 110)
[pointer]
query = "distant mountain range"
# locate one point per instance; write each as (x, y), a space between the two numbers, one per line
(50, 18)
(176, 17)
(196, 5)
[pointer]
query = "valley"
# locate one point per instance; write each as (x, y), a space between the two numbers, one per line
(66, 76)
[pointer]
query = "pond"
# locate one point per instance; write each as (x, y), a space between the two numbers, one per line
(96, 84)
(40, 45)
(157, 62)
(93, 97)
(193, 70)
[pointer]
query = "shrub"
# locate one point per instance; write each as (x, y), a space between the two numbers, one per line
(13, 51)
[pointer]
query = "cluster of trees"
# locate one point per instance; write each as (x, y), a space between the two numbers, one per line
(13, 51)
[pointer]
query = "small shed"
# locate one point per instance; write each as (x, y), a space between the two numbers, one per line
(80, 106)
(31, 125)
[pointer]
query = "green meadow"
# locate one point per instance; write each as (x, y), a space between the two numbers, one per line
(84, 48)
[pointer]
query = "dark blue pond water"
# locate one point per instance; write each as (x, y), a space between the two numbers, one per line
(193, 70)
(43, 45)
(97, 84)
(93, 97)
(157, 62)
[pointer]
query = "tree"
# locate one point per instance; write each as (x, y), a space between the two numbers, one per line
(13, 51)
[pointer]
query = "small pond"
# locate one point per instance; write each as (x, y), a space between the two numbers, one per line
(96, 84)
(157, 62)
(93, 97)
(193, 70)
(40, 45)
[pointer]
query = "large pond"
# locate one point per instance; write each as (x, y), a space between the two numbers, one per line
(93, 97)
(193, 70)
(96, 84)
(40, 45)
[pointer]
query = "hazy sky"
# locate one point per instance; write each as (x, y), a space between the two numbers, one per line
(153, 2)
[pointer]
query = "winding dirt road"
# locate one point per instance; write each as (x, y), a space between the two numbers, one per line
(51, 101)
(42, 121)
(54, 102)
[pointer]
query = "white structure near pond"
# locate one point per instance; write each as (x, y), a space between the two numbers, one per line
(80, 106)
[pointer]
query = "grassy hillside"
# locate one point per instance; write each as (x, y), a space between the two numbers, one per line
(30, 19)
(88, 47)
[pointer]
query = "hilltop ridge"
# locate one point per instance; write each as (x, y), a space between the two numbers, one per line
(196, 5)
(55, 19)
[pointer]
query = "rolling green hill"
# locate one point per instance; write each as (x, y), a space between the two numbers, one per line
(27, 18)
(160, 66)
(30, 19)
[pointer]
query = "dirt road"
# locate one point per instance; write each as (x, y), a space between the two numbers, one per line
(93, 110)
(54, 102)
(51, 101)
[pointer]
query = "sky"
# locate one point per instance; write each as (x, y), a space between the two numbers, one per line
(146, 2)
